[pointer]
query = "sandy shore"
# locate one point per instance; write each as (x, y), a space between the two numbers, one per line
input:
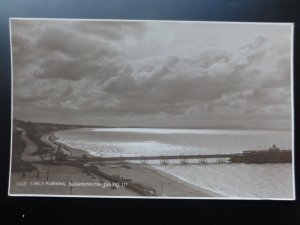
(165, 185)
(73, 152)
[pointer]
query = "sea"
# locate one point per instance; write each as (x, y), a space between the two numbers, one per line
(262, 181)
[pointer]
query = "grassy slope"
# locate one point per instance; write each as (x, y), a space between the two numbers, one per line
(18, 145)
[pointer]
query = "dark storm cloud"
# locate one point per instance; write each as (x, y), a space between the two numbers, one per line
(110, 70)
(26, 100)
(267, 96)
(19, 41)
(66, 49)
(54, 39)
(109, 29)
(69, 70)
(74, 45)
(169, 89)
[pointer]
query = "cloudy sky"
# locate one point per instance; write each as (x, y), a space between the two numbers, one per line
(122, 73)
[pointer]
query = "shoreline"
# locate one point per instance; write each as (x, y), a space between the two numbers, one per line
(141, 178)
(206, 192)
(172, 185)
(75, 152)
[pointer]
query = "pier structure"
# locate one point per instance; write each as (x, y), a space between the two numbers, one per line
(123, 160)
(163, 159)
(184, 160)
(220, 160)
(271, 155)
(202, 161)
(143, 160)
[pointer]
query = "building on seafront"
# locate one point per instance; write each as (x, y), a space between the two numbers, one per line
(272, 155)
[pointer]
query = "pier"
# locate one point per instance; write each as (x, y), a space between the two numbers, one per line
(163, 159)
(271, 155)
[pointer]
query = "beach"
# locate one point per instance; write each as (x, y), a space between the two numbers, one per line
(50, 179)
(165, 184)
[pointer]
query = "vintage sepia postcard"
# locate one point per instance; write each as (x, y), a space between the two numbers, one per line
(152, 109)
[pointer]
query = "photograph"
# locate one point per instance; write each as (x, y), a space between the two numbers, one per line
(151, 109)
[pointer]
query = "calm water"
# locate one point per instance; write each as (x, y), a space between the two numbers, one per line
(230, 180)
